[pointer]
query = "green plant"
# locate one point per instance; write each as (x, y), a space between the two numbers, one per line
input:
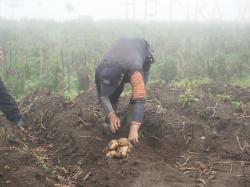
(224, 97)
(236, 104)
(182, 84)
(165, 69)
(187, 98)
(189, 84)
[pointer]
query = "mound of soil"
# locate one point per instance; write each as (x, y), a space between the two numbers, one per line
(203, 144)
(18, 166)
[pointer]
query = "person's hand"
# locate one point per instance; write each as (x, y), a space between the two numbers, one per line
(133, 133)
(114, 122)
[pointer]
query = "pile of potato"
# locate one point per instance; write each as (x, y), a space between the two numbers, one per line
(118, 148)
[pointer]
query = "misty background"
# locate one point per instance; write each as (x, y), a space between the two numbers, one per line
(56, 44)
(164, 10)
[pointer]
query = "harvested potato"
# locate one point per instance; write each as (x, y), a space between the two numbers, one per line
(123, 142)
(113, 145)
(123, 151)
(118, 148)
(112, 154)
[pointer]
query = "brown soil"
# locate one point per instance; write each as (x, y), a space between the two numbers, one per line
(18, 165)
(203, 144)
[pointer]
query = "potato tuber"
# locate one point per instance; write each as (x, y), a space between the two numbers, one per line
(112, 154)
(123, 142)
(118, 148)
(123, 151)
(113, 145)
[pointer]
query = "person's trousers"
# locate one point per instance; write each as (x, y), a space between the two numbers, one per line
(8, 105)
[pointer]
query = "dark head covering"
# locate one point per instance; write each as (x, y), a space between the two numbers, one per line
(110, 77)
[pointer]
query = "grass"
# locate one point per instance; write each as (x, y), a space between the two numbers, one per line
(243, 82)
(189, 84)
(187, 98)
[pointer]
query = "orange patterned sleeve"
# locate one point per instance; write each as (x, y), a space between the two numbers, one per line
(138, 86)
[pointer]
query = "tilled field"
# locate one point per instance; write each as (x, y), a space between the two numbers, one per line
(205, 143)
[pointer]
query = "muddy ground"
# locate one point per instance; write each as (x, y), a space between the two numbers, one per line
(204, 143)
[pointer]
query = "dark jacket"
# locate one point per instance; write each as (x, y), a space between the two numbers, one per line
(131, 58)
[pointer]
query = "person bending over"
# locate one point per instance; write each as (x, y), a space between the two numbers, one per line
(128, 61)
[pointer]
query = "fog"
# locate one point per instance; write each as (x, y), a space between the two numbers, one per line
(145, 10)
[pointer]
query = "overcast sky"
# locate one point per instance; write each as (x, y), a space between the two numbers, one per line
(146, 10)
